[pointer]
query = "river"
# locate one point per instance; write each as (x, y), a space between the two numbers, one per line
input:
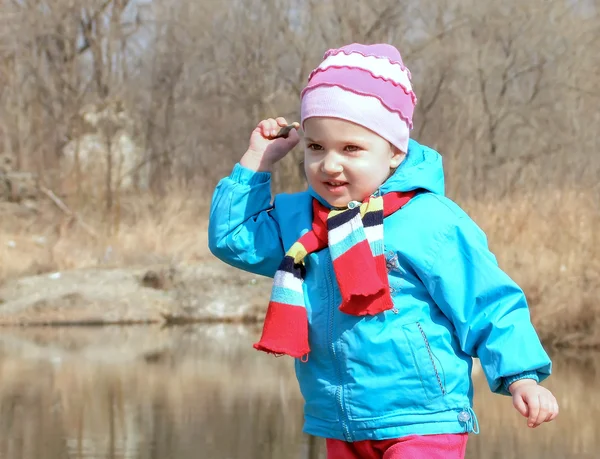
(204, 392)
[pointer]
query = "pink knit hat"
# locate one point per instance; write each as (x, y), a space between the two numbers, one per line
(367, 85)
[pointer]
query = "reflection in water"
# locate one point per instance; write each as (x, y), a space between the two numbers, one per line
(203, 392)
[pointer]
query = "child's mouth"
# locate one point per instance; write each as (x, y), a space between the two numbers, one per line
(335, 186)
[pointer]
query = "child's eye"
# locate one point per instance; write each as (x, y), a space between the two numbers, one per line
(314, 147)
(352, 148)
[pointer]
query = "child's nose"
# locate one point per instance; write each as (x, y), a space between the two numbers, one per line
(331, 164)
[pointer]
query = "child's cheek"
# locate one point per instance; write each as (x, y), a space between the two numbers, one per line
(311, 169)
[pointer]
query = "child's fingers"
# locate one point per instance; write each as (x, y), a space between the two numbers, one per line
(520, 406)
(276, 128)
(545, 407)
(273, 128)
(265, 127)
(553, 412)
(268, 128)
(534, 410)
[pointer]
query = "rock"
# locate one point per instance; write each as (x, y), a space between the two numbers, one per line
(207, 292)
(160, 279)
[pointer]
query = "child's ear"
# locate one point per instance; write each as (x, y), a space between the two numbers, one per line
(397, 157)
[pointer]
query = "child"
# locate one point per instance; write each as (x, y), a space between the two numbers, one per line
(384, 289)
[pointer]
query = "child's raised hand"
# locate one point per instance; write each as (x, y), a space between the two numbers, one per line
(533, 401)
(265, 148)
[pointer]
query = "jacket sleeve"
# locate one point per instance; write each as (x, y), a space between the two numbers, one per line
(487, 308)
(243, 230)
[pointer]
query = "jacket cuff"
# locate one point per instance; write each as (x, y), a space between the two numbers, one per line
(507, 381)
(245, 176)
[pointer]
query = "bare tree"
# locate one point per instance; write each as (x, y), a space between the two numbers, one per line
(503, 88)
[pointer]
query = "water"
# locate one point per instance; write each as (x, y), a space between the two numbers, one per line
(203, 392)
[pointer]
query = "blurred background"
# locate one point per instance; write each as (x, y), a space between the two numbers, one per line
(117, 119)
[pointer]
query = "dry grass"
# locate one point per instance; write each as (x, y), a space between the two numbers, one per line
(547, 242)
(167, 230)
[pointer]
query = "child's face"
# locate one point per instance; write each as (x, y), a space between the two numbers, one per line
(344, 161)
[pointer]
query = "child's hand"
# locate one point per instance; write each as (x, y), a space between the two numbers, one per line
(533, 401)
(264, 149)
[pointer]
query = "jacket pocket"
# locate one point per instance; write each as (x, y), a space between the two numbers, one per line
(428, 366)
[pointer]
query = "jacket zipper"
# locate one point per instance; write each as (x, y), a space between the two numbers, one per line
(437, 374)
(338, 392)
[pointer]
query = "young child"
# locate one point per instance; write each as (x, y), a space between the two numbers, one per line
(384, 289)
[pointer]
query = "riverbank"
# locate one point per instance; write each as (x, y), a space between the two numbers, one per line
(152, 264)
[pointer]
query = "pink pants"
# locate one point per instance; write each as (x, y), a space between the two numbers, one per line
(412, 447)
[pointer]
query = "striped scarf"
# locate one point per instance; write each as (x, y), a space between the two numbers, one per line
(355, 240)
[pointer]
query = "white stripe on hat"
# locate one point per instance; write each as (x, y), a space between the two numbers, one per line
(380, 67)
(335, 102)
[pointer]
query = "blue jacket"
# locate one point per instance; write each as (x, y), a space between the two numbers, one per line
(407, 370)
